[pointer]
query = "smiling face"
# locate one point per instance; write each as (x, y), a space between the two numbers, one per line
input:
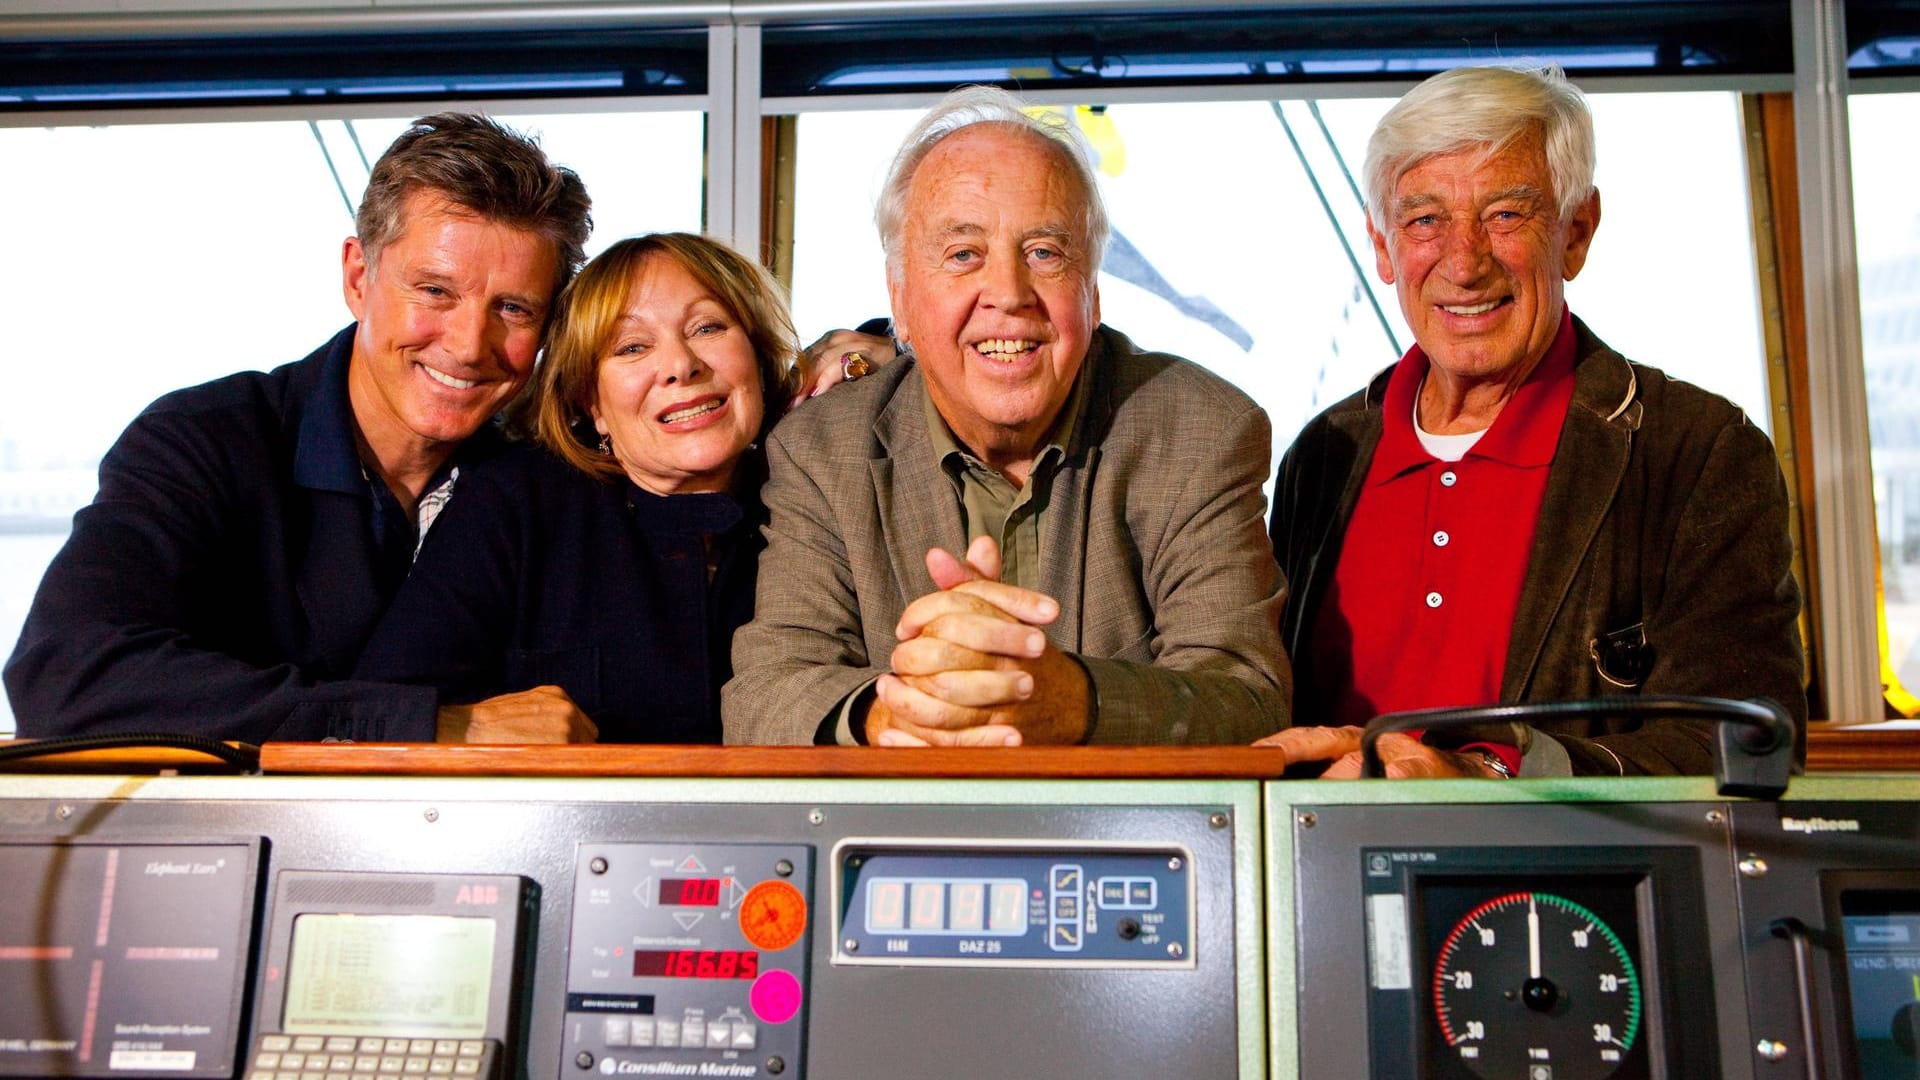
(1479, 255)
(995, 287)
(677, 390)
(449, 324)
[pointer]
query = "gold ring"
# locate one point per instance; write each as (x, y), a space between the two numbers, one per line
(853, 365)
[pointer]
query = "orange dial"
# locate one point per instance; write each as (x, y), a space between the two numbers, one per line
(773, 915)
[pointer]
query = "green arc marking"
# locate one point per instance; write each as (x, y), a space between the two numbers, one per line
(1619, 950)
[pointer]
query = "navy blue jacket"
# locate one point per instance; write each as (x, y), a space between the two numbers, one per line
(538, 574)
(225, 577)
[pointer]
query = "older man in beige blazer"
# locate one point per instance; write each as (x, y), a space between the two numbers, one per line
(1116, 585)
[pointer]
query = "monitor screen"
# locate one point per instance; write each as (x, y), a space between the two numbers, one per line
(390, 975)
(1882, 943)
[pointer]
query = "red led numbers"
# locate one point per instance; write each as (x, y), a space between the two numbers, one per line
(697, 963)
(690, 892)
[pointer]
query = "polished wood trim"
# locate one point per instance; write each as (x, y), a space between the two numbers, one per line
(1068, 762)
(1828, 750)
(1863, 750)
(1774, 200)
(131, 761)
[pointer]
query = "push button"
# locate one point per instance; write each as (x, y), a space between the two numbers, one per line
(643, 1031)
(745, 1035)
(614, 1031)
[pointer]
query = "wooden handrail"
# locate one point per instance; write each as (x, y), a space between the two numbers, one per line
(1073, 762)
(1829, 750)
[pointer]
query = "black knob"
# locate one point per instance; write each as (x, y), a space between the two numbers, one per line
(1128, 929)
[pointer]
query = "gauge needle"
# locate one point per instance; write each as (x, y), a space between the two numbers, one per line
(1533, 939)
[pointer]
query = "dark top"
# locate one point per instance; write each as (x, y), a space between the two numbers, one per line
(539, 574)
(227, 573)
(1661, 564)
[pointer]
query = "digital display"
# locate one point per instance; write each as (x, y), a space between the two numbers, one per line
(389, 975)
(920, 905)
(1882, 931)
(697, 963)
(690, 892)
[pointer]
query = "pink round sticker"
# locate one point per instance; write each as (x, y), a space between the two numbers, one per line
(775, 996)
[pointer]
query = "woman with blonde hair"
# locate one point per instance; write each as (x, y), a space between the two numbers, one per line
(614, 556)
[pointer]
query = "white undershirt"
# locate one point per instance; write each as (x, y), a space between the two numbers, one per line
(1442, 447)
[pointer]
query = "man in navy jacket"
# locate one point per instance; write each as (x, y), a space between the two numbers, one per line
(248, 532)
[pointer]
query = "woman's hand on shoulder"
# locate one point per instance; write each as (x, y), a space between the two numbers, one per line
(840, 356)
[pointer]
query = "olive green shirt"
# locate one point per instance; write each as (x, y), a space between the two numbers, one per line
(990, 504)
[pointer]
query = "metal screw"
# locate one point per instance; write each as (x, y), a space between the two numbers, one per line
(1174, 863)
(1753, 866)
(583, 1059)
(784, 868)
(431, 815)
(814, 817)
(1218, 820)
(852, 945)
(1715, 817)
(1772, 1049)
(1175, 950)
(598, 865)
(1308, 819)
(776, 1066)
(63, 812)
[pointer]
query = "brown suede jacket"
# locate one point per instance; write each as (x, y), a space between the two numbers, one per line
(1661, 563)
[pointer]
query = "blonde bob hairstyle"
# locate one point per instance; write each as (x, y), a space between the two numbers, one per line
(587, 315)
(1488, 108)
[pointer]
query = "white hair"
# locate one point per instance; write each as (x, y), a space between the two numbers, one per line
(1487, 108)
(959, 110)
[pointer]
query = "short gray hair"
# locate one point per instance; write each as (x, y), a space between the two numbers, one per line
(1487, 107)
(959, 110)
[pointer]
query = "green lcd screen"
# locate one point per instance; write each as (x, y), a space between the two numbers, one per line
(417, 976)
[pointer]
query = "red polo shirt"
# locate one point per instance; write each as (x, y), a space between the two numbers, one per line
(1422, 602)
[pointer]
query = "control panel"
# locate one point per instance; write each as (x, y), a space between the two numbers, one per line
(689, 955)
(970, 904)
(1612, 930)
(331, 928)
(124, 958)
(411, 928)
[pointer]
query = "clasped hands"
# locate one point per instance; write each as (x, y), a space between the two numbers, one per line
(973, 667)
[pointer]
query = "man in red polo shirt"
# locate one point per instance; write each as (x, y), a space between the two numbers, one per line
(1514, 512)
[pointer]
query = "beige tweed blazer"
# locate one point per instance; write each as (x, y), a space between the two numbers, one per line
(1153, 541)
